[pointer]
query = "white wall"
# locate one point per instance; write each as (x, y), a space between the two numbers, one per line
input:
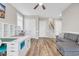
(10, 15)
(71, 19)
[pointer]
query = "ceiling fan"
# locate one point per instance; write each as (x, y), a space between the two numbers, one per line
(40, 4)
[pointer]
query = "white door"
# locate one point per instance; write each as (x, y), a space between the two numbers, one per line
(43, 27)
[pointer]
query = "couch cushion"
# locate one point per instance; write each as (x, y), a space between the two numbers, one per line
(67, 46)
(60, 39)
(66, 35)
(63, 40)
(66, 40)
(71, 36)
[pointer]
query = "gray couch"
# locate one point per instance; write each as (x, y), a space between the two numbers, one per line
(68, 45)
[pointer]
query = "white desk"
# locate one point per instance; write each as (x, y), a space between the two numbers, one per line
(13, 47)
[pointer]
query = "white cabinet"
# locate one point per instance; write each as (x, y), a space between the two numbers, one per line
(12, 48)
(18, 47)
(6, 30)
(12, 30)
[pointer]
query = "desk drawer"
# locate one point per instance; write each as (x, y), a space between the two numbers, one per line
(12, 50)
(13, 43)
(12, 54)
(10, 47)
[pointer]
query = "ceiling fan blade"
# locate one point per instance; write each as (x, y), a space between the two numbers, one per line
(43, 7)
(36, 6)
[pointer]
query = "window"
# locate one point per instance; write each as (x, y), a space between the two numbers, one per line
(20, 20)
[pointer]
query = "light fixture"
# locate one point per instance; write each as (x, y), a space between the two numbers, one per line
(40, 4)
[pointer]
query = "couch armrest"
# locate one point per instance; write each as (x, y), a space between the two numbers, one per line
(59, 39)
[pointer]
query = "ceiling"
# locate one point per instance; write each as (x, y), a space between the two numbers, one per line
(52, 9)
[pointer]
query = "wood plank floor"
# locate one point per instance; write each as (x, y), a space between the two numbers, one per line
(43, 47)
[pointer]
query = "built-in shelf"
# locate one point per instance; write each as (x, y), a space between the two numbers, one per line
(17, 30)
(1, 29)
(12, 30)
(7, 30)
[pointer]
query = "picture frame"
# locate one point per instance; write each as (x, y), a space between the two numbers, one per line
(2, 10)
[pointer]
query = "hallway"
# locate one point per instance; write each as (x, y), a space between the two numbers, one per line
(43, 47)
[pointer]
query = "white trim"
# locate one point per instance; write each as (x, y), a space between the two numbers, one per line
(70, 32)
